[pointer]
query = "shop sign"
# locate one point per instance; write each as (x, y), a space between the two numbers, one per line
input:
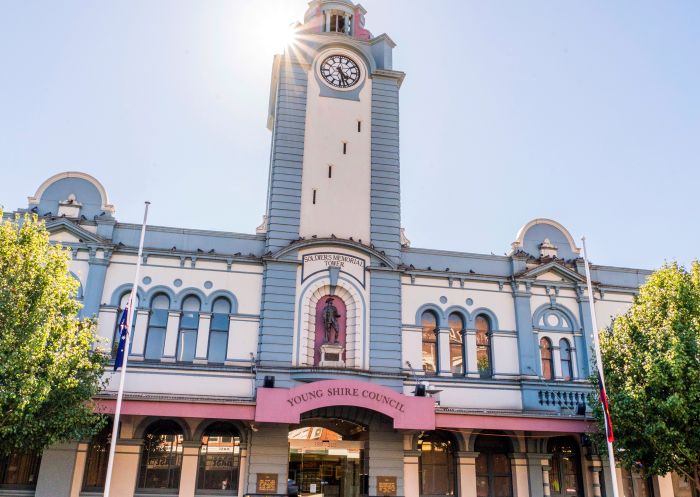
(322, 261)
(386, 485)
(393, 401)
(266, 483)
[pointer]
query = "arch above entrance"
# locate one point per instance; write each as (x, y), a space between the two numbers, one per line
(285, 405)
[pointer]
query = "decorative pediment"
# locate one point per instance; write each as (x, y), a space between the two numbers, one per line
(65, 231)
(553, 271)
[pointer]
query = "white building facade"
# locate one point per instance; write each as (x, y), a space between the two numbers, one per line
(323, 355)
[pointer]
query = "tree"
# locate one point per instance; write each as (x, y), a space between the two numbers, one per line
(651, 361)
(49, 370)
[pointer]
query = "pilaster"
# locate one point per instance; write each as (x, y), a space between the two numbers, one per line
(138, 340)
(79, 469)
(411, 476)
(171, 331)
(521, 484)
(527, 340)
(471, 367)
(443, 342)
(57, 470)
(466, 467)
(94, 285)
(584, 341)
(201, 356)
(126, 465)
(188, 473)
(535, 473)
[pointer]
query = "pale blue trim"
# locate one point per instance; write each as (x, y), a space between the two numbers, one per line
(568, 315)
(207, 307)
(119, 292)
(430, 307)
(493, 320)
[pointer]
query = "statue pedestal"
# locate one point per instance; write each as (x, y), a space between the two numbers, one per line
(332, 355)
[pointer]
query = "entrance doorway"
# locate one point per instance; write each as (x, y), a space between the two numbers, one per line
(326, 463)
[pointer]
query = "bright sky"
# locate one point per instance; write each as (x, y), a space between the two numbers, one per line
(585, 111)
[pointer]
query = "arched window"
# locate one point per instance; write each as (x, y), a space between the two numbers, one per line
(565, 473)
(430, 330)
(96, 460)
(189, 323)
(19, 471)
(493, 471)
(437, 465)
(483, 346)
(456, 324)
(157, 325)
(567, 370)
(219, 458)
(546, 355)
(218, 330)
(117, 332)
(161, 456)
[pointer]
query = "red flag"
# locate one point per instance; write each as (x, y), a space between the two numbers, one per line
(606, 411)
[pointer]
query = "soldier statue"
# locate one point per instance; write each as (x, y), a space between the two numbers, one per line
(330, 321)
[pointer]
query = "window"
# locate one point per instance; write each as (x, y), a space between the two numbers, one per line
(337, 23)
(546, 355)
(161, 456)
(96, 461)
(456, 324)
(157, 325)
(493, 470)
(117, 332)
(359, 126)
(189, 323)
(19, 471)
(567, 371)
(565, 473)
(635, 484)
(219, 458)
(429, 324)
(313, 200)
(218, 331)
(436, 465)
(345, 148)
(483, 346)
(330, 171)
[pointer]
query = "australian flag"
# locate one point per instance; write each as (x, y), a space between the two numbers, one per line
(606, 410)
(123, 332)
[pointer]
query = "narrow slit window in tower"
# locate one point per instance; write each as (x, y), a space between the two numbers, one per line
(313, 200)
(345, 148)
(330, 171)
(359, 126)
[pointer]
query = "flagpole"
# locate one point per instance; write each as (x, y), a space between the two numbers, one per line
(599, 365)
(129, 320)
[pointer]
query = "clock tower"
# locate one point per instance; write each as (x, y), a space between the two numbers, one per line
(333, 114)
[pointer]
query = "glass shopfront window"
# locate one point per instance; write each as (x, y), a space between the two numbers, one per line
(219, 459)
(161, 457)
(19, 471)
(565, 473)
(437, 465)
(96, 460)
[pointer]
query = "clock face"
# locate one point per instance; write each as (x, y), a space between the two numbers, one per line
(340, 71)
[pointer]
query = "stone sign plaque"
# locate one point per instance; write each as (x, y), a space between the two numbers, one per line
(321, 261)
(386, 485)
(266, 483)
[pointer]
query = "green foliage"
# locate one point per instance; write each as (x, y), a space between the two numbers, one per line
(49, 371)
(651, 359)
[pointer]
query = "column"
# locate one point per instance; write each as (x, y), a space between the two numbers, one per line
(470, 344)
(171, 331)
(385, 453)
(583, 342)
(545, 481)
(56, 470)
(201, 353)
(269, 453)
(520, 478)
(107, 324)
(528, 349)
(411, 478)
(94, 285)
(466, 465)
(138, 340)
(663, 485)
(535, 475)
(188, 473)
(443, 339)
(596, 477)
(556, 361)
(126, 467)
(242, 469)
(79, 469)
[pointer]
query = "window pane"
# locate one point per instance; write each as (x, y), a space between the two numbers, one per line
(155, 341)
(456, 358)
(160, 301)
(187, 345)
(436, 466)
(221, 306)
(219, 461)
(219, 322)
(217, 346)
(96, 460)
(429, 357)
(482, 486)
(159, 317)
(429, 323)
(503, 486)
(20, 470)
(189, 320)
(161, 461)
(483, 346)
